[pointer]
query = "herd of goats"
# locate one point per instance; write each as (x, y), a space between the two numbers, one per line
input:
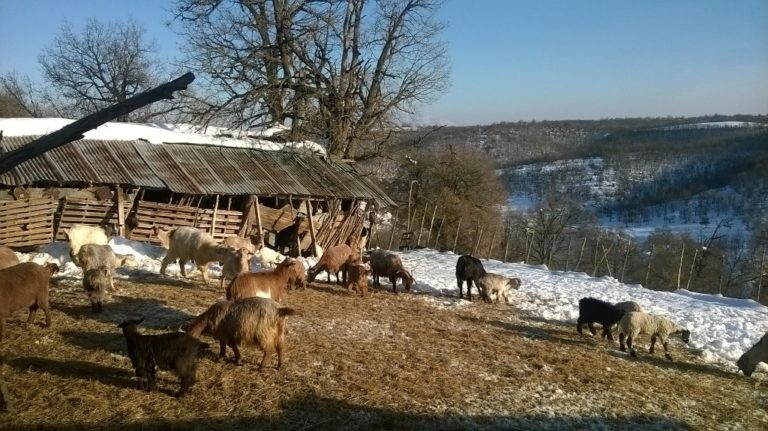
(252, 313)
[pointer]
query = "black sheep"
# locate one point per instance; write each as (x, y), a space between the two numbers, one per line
(593, 310)
(469, 269)
(175, 351)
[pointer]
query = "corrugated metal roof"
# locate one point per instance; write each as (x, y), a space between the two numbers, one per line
(193, 169)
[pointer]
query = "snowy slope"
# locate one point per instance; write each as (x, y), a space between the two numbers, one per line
(722, 328)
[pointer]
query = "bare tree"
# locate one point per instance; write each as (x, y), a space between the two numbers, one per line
(21, 98)
(104, 64)
(340, 71)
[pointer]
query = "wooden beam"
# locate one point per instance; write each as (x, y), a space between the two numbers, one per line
(258, 223)
(76, 130)
(120, 212)
(311, 228)
(215, 212)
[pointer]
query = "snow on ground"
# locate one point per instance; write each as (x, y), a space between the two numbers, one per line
(160, 133)
(722, 328)
(714, 125)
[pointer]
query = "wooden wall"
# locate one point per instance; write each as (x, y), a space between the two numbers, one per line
(89, 212)
(27, 222)
(167, 216)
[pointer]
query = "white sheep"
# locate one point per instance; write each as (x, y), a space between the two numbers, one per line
(187, 243)
(80, 234)
(496, 286)
(635, 323)
(756, 354)
(268, 258)
(629, 306)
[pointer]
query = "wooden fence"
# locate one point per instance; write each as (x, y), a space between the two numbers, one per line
(88, 212)
(27, 222)
(167, 216)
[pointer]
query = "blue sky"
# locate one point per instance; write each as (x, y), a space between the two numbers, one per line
(524, 60)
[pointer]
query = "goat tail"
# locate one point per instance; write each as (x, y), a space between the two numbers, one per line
(285, 311)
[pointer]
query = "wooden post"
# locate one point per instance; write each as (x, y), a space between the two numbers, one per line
(648, 270)
(258, 223)
(581, 254)
(490, 246)
(248, 214)
(439, 229)
(456, 238)
(690, 273)
(479, 238)
(760, 275)
(680, 267)
(528, 245)
(568, 252)
(392, 233)
(595, 263)
(626, 256)
(215, 212)
(311, 228)
(410, 190)
(431, 222)
(120, 212)
(421, 225)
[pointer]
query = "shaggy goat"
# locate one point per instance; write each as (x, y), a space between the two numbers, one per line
(756, 354)
(635, 323)
(187, 243)
(357, 278)
(79, 235)
(235, 242)
(389, 265)
(469, 269)
(95, 282)
(93, 256)
(268, 258)
(593, 311)
(334, 260)
(259, 321)
(298, 277)
(495, 286)
(175, 351)
(264, 284)
(7, 257)
(236, 262)
(25, 286)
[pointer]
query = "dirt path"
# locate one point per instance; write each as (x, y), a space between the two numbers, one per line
(384, 362)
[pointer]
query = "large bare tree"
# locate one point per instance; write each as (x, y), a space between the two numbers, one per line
(103, 64)
(338, 70)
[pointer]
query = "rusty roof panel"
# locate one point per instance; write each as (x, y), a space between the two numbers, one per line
(167, 168)
(193, 169)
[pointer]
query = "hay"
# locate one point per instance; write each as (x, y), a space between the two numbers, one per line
(383, 362)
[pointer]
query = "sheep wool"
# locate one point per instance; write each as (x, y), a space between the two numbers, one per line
(636, 323)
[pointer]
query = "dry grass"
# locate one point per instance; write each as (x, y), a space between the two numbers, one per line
(382, 362)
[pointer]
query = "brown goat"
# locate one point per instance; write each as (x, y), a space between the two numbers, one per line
(335, 259)
(25, 286)
(259, 321)
(298, 277)
(357, 278)
(7, 257)
(265, 284)
(235, 242)
(389, 265)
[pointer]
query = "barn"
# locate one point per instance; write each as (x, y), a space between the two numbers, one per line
(138, 177)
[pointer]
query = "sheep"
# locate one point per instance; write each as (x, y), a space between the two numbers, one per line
(163, 236)
(593, 310)
(265, 284)
(469, 269)
(79, 235)
(7, 257)
(235, 242)
(235, 263)
(635, 323)
(389, 265)
(175, 351)
(288, 237)
(258, 321)
(756, 354)
(628, 306)
(298, 277)
(268, 258)
(187, 243)
(93, 256)
(494, 286)
(25, 286)
(335, 259)
(95, 282)
(357, 278)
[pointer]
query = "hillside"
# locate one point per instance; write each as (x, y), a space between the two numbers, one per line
(630, 171)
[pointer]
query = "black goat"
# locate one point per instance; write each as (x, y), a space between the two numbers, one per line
(469, 269)
(593, 310)
(288, 238)
(175, 351)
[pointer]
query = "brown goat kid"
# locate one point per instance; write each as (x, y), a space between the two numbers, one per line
(298, 277)
(336, 259)
(259, 321)
(7, 257)
(25, 286)
(358, 278)
(389, 265)
(265, 284)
